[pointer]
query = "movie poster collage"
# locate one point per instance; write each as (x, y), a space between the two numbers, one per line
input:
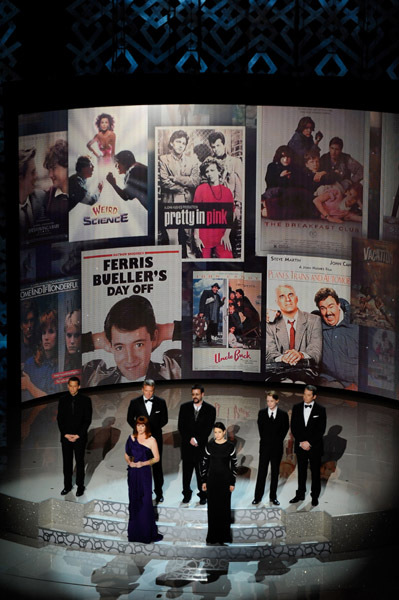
(202, 241)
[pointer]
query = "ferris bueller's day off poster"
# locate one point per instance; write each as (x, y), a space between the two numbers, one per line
(131, 306)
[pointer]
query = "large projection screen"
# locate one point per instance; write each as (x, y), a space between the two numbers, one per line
(185, 241)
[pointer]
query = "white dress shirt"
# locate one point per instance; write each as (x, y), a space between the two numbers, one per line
(307, 411)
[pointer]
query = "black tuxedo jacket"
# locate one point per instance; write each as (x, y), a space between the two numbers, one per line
(158, 417)
(313, 432)
(272, 433)
(200, 428)
(74, 415)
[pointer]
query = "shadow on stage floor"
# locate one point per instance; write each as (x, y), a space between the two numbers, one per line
(356, 512)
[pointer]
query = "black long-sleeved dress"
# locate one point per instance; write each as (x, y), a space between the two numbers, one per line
(218, 471)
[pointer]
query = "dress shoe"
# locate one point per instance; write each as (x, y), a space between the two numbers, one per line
(202, 501)
(159, 499)
(255, 501)
(186, 499)
(275, 501)
(65, 491)
(315, 502)
(296, 499)
(81, 490)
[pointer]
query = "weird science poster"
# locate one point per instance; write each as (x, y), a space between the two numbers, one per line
(311, 189)
(226, 321)
(108, 160)
(200, 190)
(131, 305)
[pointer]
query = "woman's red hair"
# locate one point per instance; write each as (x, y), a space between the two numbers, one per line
(142, 421)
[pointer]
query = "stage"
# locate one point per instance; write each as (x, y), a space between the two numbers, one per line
(356, 513)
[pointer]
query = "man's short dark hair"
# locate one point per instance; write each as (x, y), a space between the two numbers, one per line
(176, 135)
(57, 154)
(311, 388)
(337, 141)
(240, 291)
(198, 386)
(216, 135)
(82, 162)
(74, 378)
(312, 153)
(324, 293)
(272, 393)
(125, 158)
(129, 314)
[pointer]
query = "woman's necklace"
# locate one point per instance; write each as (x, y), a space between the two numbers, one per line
(213, 193)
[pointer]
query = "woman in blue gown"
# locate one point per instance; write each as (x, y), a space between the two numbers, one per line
(140, 453)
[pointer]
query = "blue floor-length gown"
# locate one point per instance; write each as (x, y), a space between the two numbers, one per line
(142, 526)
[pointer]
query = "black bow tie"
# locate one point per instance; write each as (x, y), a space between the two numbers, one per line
(308, 406)
(149, 400)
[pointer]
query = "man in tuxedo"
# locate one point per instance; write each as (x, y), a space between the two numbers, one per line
(195, 423)
(308, 424)
(74, 418)
(273, 426)
(155, 409)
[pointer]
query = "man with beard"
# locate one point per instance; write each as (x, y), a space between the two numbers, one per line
(195, 423)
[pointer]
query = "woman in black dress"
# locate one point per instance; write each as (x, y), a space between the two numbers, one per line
(218, 473)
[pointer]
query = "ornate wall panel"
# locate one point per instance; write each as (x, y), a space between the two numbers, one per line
(339, 38)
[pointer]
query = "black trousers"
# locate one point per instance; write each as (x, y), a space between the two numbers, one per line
(212, 329)
(266, 456)
(68, 450)
(191, 462)
(157, 472)
(305, 457)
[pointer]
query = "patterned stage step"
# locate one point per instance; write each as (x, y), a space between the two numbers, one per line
(186, 532)
(184, 514)
(181, 549)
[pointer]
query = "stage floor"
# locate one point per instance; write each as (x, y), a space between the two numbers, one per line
(363, 479)
(359, 477)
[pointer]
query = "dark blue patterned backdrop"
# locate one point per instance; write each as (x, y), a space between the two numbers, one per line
(352, 39)
(341, 38)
